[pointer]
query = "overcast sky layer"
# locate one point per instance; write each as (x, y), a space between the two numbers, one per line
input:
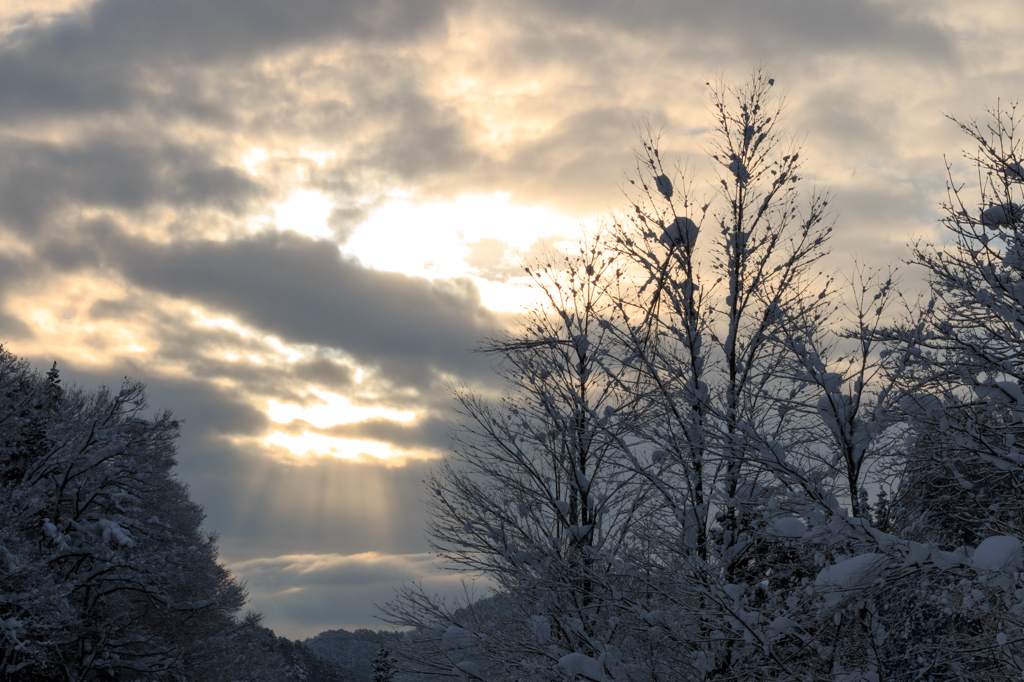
(293, 220)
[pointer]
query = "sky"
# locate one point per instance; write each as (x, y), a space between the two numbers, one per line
(295, 220)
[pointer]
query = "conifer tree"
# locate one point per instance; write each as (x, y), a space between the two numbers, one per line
(105, 571)
(383, 670)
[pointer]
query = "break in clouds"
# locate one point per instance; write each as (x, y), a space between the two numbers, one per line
(146, 150)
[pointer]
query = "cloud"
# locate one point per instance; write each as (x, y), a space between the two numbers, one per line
(303, 291)
(789, 27)
(423, 138)
(580, 158)
(13, 328)
(302, 570)
(105, 57)
(114, 171)
(302, 595)
(430, 433)
(487, 256)
(207, 79)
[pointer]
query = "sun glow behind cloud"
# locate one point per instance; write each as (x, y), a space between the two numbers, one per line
(315, 444)
(334, 410)
(306, 212)
(434, 240)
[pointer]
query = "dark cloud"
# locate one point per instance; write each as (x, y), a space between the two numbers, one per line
(772, 29)
(57, 251)
(38, 178)
(304, 291)
(105, 57)
(13, 268)
(324, 373)
(430, 433)
(299, 594)
(11, 328)
(210, 413)
(212, 353)
(343, 221)
(406, 136)
(423, 140)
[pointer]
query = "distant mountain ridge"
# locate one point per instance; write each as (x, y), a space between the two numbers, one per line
(350, 652)
(301, 665)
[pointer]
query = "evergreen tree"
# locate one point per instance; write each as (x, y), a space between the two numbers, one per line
(105, 571)
(383, 666)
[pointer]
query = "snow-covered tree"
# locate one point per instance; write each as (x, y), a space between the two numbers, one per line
(383, 666)
(105, 571)
(758, 398)
(629, 411)
(534, 493)
(962, 476)
(678, 483)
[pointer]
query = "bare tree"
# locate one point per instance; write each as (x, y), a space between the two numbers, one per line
(676, 484)
(717, 330)
(534, 494)
(632, 399)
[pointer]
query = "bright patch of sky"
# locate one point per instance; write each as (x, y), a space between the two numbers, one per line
(16, 15)
(335, 409)
(435, 239)
(315, 444)
(306, 212)
(202, 319)
(254, 158)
